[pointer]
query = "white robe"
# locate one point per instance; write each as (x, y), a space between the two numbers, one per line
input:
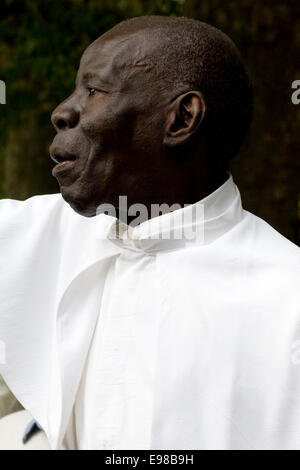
(218, 364)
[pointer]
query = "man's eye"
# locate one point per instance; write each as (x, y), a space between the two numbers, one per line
(92, 91)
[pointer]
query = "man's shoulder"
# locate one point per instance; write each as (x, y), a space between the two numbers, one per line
(35, 210)
(268, 233)
(32, 215)
(267, 245)
(47, 217)
(39, 201)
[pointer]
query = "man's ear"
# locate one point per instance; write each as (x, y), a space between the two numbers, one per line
(184, 117)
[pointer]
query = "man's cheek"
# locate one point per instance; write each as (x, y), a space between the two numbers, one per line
(91, 124)
(97, 125)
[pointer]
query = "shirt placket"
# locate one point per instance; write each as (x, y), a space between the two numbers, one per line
(121, 390)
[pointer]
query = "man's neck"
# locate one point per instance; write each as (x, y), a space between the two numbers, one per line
(139, 212)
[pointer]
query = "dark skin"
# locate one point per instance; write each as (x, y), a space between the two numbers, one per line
(123, 132)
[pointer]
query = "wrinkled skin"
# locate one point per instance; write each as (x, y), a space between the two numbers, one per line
(125, 129)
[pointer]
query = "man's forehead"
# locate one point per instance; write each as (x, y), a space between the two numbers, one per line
(112, 56)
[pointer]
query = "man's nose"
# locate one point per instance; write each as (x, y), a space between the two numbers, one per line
(65, 116)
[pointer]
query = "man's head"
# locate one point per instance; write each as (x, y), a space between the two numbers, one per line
(161, 105)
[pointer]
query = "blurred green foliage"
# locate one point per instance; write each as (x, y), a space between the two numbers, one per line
(41, 42)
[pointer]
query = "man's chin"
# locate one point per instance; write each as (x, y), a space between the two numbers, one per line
(83, 205)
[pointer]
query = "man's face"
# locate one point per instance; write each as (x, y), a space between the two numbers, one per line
(110, 130)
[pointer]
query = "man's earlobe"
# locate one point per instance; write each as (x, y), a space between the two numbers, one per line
(184, 118)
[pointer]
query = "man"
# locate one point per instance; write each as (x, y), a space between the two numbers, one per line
(132, 328)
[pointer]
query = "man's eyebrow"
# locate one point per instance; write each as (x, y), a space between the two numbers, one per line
(89, 76)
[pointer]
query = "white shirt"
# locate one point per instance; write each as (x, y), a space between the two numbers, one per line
(114, 405)
(146, 343)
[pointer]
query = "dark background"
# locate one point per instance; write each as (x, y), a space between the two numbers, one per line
(40, 46)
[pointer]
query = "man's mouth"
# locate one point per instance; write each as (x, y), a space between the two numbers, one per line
(65, 161)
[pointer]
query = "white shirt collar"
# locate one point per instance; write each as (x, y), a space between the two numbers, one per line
(201, 223)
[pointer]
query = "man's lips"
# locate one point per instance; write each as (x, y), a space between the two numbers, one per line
(60, 156)
(64, 160)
